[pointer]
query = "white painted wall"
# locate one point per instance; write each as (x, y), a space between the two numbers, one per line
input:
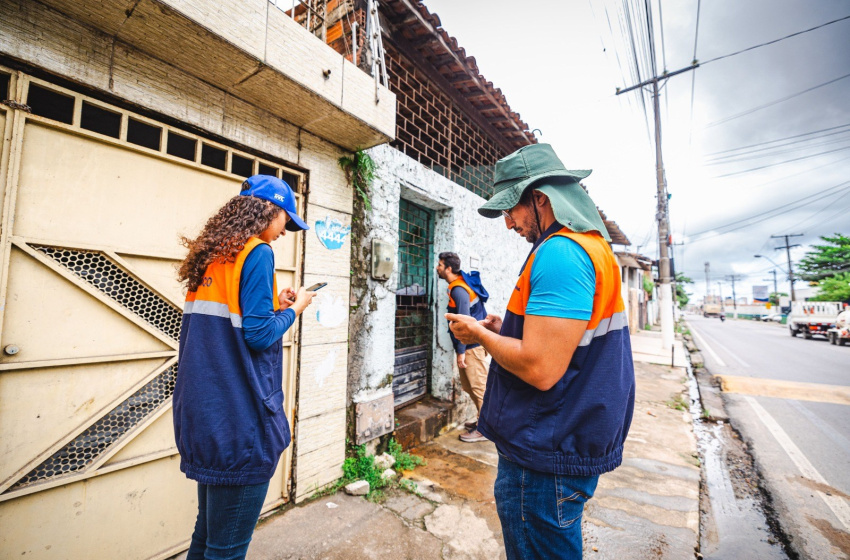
(458, 228)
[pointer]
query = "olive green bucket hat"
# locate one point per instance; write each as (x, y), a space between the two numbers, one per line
(538, 165)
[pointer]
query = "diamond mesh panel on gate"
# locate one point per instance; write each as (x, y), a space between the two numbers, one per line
(90, 444)
(99, 271)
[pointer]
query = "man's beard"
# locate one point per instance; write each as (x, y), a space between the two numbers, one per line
(533, 233)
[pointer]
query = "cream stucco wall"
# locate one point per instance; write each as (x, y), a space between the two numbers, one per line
(46, 39)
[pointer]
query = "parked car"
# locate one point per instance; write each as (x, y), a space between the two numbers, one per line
(773, 317)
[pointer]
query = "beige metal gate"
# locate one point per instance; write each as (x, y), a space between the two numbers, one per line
(94, 200)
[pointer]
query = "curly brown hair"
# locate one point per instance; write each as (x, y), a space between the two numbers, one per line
(224, 235)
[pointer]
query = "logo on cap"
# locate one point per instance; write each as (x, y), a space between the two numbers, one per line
(280, 197)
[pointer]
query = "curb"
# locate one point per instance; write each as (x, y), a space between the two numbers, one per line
(714, 410)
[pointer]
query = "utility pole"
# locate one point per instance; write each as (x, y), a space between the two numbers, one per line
(788, 248)
(665, 291)
(707, 282)
(734, 277)
(720, 292)
(775, 288)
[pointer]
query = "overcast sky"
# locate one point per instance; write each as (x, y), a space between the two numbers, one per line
(558, 64)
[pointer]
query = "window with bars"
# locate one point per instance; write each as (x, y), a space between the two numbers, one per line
(58, 104)
(415, 245)
(414, 317)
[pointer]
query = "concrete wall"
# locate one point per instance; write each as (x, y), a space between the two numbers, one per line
(45, 38)
(458, 228)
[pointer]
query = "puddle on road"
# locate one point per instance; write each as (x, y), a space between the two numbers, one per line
(733, 523)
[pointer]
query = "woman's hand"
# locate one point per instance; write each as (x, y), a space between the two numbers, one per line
(286, 298)
(302, 299)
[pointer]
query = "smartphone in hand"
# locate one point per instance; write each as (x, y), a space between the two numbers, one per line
(316, 287)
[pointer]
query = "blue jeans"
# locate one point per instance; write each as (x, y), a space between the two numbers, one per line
(541, 512)
(227, 516)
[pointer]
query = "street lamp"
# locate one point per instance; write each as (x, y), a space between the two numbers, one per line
(790, 282)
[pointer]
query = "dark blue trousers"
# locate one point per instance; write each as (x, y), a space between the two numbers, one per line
(541, 512)
(227, 516)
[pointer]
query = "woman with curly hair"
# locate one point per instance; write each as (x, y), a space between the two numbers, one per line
(229, 421)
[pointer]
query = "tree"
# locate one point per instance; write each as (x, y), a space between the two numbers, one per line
(825, 261)
(681, 295)
(773, 298)
(834, 288)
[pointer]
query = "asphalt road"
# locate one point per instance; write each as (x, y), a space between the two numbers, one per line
(800, 434)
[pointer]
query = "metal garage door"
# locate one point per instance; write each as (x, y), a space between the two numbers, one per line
(95, 199)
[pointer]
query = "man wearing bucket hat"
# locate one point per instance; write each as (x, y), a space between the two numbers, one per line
(560, 392)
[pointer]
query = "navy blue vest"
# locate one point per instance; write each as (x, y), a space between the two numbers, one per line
(577, 427)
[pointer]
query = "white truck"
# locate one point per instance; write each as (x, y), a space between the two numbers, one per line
(813, 317)
(840, 334)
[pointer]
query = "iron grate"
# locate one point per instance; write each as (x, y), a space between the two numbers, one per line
(413, 297)
(90, 444)
(99, 271)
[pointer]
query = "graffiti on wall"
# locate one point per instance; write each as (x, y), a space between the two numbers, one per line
(332, 232)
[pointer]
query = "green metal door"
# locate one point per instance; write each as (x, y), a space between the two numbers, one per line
(414, 318)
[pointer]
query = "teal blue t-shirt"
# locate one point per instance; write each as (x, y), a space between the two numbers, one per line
(563, 281)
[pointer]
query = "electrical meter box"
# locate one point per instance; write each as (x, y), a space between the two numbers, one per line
(383, 259)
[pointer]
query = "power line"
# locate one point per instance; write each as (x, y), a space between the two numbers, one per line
(785, 208)
(779, 163)
(773, 151)
(663, 57)
(772, 103)
(783, 139)
(693, 75)
(775, 40)
(628, 25)
(829, 206)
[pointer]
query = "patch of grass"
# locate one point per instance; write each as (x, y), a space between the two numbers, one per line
(706, 413)
(410, 486)
(361, 466)
(403, 461)
(678, 403)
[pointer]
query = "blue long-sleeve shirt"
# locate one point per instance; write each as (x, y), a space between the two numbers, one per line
(261, 324)
(461, 298)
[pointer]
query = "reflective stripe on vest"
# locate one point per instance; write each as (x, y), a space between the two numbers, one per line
(608, 308)
(218, 294)
(473, 297)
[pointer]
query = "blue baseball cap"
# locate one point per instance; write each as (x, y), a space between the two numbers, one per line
(277, 191)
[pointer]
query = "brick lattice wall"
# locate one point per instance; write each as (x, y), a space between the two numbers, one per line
(436, 133)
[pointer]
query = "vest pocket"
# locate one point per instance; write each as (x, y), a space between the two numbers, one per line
(274, 402)
(277, 428)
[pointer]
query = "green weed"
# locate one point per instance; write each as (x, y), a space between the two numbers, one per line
(678, 403)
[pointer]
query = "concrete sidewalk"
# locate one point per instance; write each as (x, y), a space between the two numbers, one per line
(647, 508)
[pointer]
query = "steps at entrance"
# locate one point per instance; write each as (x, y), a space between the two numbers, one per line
(423, 421)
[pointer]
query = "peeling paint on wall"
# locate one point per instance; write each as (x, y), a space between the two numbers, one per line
(484, 245)
(332, 232)
(325, 368)
(331, 312)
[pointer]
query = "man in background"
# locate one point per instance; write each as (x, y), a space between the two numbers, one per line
(467, 297)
